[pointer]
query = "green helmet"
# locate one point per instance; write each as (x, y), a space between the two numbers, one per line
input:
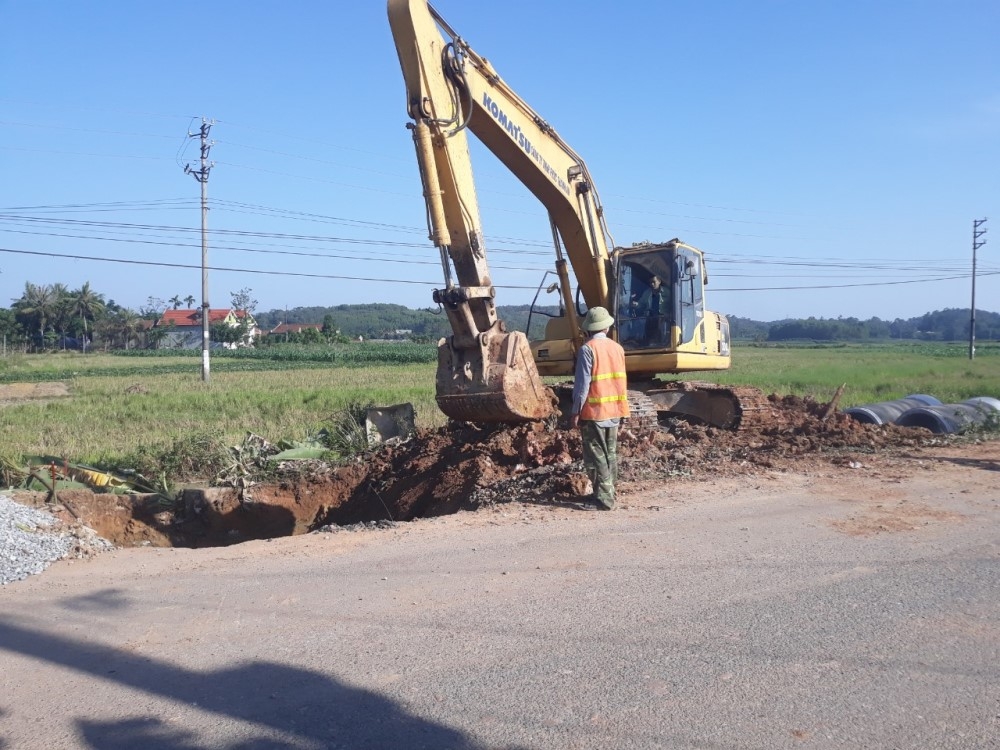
(598, 319)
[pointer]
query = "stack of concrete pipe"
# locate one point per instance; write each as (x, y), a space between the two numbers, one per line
(920, 410)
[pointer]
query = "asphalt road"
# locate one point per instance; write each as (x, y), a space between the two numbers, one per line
(838, 609)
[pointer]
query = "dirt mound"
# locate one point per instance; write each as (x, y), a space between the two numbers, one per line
(795, 427)
(464, 466)
(16, 393)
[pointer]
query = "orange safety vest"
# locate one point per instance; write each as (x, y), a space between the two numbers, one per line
(607, 397)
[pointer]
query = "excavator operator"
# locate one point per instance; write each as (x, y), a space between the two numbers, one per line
(649, 309)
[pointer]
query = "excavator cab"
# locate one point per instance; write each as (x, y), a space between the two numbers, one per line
(659, 298)
(646, 300)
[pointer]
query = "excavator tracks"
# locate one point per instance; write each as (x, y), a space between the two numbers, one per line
(644, 415)
(728, 407)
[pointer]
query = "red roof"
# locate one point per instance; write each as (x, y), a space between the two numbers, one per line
(193, 317)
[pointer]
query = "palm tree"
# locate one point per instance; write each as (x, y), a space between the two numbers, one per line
(37, 303)
(62, 316)
(189, 300)
(87, 305)
(154, 336)
(127, 324)
(176, 301)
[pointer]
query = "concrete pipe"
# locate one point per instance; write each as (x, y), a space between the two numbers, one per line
(985, 402)
(887, 412)
(951, 418)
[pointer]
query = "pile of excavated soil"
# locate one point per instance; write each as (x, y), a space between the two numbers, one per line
(464, 466)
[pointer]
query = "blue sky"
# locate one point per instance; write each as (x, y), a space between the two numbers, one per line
(829, 157)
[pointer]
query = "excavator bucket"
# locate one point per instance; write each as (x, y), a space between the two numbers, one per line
(495, 381)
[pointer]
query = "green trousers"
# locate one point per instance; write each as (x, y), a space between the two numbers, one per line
(600, 458)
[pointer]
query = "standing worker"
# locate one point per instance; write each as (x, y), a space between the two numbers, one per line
(600, 400)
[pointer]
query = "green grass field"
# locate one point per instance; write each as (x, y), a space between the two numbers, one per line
(123, 405)
(872, 372)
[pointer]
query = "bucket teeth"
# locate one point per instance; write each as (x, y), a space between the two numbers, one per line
(497, 382)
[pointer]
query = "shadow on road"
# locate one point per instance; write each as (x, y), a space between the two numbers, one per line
(985, 464)
(306, 708)
(99, 601)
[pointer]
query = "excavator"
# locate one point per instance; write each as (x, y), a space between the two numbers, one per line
(655, 291)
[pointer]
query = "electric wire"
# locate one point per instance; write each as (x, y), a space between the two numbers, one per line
(896, 265)
(164, 264)
(325, 256)
(846, 286)
(238, 235)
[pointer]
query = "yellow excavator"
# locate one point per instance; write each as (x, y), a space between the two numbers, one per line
(655, 291)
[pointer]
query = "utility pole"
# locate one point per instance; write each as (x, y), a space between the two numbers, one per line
(976, 244)
(201, 175)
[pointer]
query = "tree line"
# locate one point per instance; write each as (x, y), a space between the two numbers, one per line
(53, 316)
(378, 320)
(951, 324)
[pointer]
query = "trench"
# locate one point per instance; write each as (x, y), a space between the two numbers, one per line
(215, 517)
(438, 473)
(465, 467)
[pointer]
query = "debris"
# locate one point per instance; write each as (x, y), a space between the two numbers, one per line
(463, 466)
(385, 424)
(832, 406)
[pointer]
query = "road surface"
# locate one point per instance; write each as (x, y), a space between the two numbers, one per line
(840, 606)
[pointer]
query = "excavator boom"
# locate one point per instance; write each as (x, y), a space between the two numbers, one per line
(485, 374)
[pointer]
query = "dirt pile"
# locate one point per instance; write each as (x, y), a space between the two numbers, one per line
(466, 466)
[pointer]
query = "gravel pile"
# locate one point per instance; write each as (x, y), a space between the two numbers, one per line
(31, 540)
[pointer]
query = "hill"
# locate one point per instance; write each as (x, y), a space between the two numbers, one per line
(383, 320)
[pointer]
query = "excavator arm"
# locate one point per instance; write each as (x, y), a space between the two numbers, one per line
(486, 373)
(451, 88)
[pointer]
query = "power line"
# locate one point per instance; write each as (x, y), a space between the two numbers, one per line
(285, 137)
(72, 223)
(163, 264)
(841, 286)
(235, 235)
(343, 254)
(790, 261)
(326, 256)
(157, 204)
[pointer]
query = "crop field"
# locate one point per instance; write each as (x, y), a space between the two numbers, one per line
(872, 373)
(123, 405)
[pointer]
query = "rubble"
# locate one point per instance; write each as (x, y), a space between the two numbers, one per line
(31, 540)
(464, 466)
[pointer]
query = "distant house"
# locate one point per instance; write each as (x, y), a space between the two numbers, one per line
(184, 327)
(283, 328)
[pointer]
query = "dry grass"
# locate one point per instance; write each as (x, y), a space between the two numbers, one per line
(108, 418)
